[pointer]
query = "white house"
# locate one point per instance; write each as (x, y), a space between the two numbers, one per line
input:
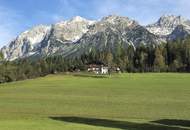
(104, 70)
(98, 69)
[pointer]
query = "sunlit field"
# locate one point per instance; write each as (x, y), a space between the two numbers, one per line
(86, 102)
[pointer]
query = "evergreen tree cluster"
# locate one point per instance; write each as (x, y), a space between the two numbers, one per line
(167, 57)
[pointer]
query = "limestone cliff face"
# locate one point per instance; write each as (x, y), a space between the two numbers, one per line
(78, 35)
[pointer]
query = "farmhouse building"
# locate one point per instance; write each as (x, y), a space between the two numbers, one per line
(98, 69)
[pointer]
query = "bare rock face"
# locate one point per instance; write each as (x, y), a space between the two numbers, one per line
(64, 34)
(167, 24)
(71, 30)
(180, 32)
(113, 30)
(78, 35)
(26, 43)
(43, 39)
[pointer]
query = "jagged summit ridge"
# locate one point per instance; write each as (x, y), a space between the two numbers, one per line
(71, 30)
(32, 41)
(114, 19)
(167, 24)
(78, 35)
(25, 43)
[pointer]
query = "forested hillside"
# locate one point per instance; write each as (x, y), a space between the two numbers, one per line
(166, 57)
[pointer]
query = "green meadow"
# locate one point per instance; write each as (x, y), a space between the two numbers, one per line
(86, 102)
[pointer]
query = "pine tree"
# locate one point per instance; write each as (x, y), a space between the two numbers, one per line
(159, 61)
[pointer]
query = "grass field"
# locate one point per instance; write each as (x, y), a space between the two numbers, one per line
(73, 102)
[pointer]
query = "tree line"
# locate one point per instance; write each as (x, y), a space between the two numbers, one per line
(166, 57)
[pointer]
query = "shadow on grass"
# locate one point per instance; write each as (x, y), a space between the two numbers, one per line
(154, 125)
(172, 122)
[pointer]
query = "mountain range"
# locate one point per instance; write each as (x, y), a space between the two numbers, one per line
(79, 35)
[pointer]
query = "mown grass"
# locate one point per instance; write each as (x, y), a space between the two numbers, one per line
(74, 102)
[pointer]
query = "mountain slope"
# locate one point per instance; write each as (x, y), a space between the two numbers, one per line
(113, 30)
(26, 43)
(43, 40)
(78, 35)
(64, 34)
(167, 24)
(180, 32)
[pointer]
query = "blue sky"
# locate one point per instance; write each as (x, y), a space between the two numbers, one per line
(18, 15)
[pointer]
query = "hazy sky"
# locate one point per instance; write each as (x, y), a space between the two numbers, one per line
(18, 15)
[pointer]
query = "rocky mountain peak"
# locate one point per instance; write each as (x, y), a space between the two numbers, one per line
(114, 19)
(78, 19)
(71, 30)
(34, 35)
(25, 43)
(78, 35)
(167, 24)
(170, 21)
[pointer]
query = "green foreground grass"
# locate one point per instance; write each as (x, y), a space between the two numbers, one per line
(125, 101)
